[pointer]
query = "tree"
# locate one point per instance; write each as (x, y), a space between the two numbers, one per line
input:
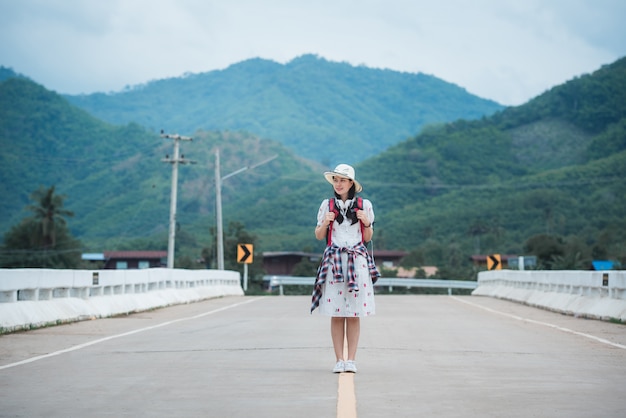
(234, 235)
(305, 268)
(547, 248)
(42, 240)
(569, 261)
(49, 215)
(476, 229)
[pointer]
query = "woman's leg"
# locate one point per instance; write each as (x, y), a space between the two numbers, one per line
(337, 333)
(353, 331)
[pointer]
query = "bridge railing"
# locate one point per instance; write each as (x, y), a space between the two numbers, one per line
(48, 284)
(592, 294)
(390, 283)
(32, 298)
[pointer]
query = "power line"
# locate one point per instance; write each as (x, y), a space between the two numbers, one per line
(103, 158)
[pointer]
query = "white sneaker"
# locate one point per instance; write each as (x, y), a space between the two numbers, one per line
(349, 366)
(339, 367)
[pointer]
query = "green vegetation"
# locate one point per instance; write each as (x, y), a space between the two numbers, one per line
(42, 240)
(310, 105)
(543, 179)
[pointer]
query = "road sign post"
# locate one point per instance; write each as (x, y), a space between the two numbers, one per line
(245, 255)
(494, 262)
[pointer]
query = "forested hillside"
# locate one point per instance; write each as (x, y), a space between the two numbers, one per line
(6, 73)
(552, 168)
(317, 108)
(114, 177)
(544, 178)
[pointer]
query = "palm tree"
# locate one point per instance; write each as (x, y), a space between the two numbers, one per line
(49, 212)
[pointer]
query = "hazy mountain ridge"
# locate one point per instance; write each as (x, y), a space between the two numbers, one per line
(309, 104)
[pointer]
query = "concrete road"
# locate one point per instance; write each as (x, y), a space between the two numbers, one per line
(420, 356)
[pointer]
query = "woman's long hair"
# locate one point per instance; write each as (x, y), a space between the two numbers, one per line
(351, 214)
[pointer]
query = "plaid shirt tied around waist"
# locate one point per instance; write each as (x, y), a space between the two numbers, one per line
(332, 259)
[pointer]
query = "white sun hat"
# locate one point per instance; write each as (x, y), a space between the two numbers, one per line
(345, 171)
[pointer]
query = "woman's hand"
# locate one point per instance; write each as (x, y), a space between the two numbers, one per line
(321, 229)
(362, 216)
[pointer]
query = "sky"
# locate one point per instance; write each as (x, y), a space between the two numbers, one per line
(508, 51)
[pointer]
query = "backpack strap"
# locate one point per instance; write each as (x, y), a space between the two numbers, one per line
(359, 205)
(329, 232)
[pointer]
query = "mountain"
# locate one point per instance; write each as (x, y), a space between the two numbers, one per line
(113, 176)
(6, 73)
(553, 167)
(316, 108)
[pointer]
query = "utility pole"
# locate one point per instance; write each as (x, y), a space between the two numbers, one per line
(175, 160)
(218, 202)
(218, 212)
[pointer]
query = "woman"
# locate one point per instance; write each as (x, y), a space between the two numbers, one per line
(347, 293)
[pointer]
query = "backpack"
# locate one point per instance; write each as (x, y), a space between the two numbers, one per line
(335, 210)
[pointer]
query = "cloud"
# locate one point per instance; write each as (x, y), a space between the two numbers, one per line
(505, 50)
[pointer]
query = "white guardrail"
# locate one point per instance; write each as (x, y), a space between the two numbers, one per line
(391, 282)
(590, 294)
(31, 298)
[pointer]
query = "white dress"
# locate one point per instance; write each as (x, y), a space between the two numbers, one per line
(336, 300)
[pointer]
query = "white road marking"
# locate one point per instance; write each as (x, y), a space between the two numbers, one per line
(546, 324)
(125, 334)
